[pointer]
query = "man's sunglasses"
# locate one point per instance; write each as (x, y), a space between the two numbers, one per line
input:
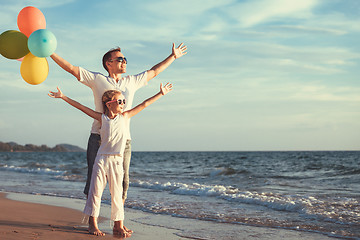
(119, 59)
(119, 101)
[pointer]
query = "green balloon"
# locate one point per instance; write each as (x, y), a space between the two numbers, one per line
(13, 44)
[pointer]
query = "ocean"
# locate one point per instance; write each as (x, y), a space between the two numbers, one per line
(311, 191)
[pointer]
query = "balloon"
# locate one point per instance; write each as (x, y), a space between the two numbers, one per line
(30, 19)
(34, 70)
(13, 44)
(42, 43)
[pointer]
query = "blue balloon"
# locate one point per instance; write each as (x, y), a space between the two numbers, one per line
(42, 43)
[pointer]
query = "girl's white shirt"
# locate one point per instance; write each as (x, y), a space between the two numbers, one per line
(112, 132)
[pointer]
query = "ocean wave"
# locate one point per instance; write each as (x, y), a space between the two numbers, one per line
(351, 172)
(71, 177)
(226, 171)
(37, 170)
(312, 207)
(271, 200)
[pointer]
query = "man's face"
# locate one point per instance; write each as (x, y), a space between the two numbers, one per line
(115, 65)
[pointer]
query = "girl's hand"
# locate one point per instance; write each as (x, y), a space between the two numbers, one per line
(166, 89)
(58, 94)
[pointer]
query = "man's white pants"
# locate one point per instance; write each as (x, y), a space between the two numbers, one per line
(107, 168)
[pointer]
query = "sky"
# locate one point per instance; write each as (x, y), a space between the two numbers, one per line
(260, 75)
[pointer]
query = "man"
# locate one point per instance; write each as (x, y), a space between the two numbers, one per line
(115, 64)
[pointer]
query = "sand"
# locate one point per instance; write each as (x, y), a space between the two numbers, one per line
(24, 220)
(25, 216)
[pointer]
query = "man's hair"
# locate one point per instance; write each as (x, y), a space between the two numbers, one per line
(108, 96)
(107, 56)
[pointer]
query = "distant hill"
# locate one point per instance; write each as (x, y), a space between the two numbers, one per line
(14, 147)
(71, 148)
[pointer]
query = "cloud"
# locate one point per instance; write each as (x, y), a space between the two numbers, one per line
(183, 9)
(319, 30)
(17, 5)
(325, 93)
(251, 13)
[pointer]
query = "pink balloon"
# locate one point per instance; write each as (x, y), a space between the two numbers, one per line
(30, 19)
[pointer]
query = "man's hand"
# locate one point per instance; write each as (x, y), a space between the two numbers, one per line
(179, 51)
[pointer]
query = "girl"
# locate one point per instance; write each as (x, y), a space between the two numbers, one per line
(109, 159)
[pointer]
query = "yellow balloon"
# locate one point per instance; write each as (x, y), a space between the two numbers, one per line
(34, 70)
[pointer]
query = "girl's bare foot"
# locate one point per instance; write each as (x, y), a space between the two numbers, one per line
(128, 230)
(121, 232)
(119, 229)
(96, 231)
(93, 228)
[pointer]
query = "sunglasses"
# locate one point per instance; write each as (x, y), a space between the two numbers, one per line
(119, 59)
(119, 101)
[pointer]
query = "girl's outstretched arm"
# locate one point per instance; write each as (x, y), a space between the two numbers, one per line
(163, 90)
(86, 110)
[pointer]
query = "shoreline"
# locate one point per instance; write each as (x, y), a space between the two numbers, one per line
(47, 217)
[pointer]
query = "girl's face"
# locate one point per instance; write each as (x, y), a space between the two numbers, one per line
(117, 104)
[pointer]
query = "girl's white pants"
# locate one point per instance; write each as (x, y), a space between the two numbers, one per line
(107, 168)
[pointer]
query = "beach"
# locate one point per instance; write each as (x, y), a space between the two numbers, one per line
(25, 216)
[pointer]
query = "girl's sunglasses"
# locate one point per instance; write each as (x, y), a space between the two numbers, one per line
(119, 101)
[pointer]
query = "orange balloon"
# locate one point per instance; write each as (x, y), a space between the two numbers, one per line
(30, 19)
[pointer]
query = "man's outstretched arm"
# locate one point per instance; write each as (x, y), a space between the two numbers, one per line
(158, 68)
(73, 70)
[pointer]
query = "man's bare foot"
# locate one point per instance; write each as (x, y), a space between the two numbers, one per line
(128, 230)
(121, 232)
(93, 227)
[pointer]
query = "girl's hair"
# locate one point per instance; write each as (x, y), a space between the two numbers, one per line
(108, 96)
